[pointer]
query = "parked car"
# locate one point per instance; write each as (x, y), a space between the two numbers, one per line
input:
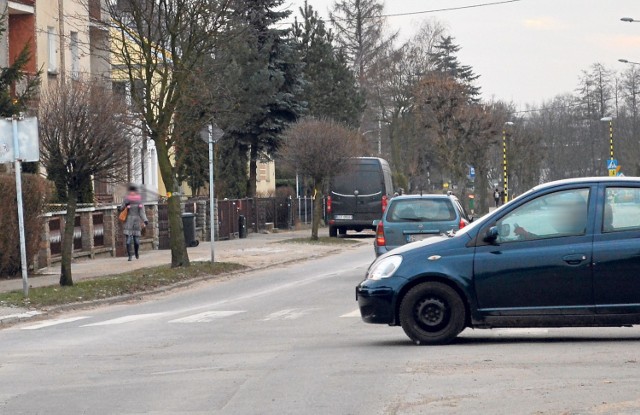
(563, 254)
(359, 196)
(416, 217)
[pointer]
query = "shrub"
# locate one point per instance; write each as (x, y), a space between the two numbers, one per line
(35, 193)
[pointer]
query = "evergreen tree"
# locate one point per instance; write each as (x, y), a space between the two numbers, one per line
(14, 99)
(447, 63)
(359, 26)
(330, 89)
(264, 81)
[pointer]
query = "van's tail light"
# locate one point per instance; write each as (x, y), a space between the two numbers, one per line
(329, 207)
(385, 202)
(380, 241)
(463, 223)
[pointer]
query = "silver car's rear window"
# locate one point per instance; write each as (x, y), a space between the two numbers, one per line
(421, 210)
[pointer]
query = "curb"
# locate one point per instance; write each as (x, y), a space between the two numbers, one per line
(36, 315)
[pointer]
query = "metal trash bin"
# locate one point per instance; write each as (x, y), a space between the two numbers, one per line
(189, 228)
(242, 226)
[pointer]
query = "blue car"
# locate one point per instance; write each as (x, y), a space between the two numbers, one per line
(563, 254)
(416, 217)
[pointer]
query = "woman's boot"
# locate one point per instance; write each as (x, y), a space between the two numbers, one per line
(129, 251)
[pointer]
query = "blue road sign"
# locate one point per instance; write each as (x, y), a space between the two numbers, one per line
(612, 164)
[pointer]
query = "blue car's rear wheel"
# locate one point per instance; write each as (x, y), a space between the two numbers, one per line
(432, 313)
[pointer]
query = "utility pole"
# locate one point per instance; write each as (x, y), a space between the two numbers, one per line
(63, 68)
(505, 177)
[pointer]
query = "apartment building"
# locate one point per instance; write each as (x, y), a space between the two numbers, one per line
(20, 30)
(72, 40)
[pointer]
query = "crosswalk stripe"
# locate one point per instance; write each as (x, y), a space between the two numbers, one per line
(354, 313)
(55, 322)
(125, 319)
(288, 314)
(206, 317)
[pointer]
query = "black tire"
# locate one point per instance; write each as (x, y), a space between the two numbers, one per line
(343, 231)
(432, 313)
(333, 232)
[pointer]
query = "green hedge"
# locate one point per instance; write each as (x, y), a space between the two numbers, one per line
(35, 193)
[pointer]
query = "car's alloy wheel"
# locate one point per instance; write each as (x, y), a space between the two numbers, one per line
(432, 313)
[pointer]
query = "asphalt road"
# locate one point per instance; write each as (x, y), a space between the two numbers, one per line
(288, 341)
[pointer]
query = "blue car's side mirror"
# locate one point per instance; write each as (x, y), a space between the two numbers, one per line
(375, 223)
(492, 234)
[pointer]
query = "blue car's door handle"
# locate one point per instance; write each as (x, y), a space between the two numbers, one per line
(574, 259)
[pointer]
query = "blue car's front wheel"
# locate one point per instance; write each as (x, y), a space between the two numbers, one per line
(432, 313)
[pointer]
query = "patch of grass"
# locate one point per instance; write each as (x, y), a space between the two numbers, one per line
(323, 240)
(135, 282)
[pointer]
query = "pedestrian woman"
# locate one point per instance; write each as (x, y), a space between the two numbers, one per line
(136, 219)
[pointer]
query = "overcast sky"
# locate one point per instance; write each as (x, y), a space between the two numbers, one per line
(529, 50)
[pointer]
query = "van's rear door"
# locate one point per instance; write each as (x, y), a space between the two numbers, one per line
(370, 189)
(357, 194)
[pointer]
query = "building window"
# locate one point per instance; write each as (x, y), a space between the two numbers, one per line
(75, 55)
(52, 43)
(263, 172)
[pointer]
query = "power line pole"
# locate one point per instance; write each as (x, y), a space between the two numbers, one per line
(63, 69)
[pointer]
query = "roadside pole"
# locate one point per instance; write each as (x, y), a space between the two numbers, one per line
(23, 244)
(212, 199)
(211, 134)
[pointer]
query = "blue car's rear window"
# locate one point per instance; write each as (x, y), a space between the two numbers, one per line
(421, 210)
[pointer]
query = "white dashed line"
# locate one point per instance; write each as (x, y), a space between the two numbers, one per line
(206, 317)
(125, 319)
(354, 313)
(288, 314)
(53, 323)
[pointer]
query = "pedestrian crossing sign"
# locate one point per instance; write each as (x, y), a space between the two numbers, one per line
(612, 164)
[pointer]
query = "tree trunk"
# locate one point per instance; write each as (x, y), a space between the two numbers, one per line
(481, 186)
(66, 278)
(253, 170)
(179, 255)
(317, 211)
(394, 141)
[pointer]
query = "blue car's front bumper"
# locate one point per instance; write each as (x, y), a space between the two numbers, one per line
(376, 304)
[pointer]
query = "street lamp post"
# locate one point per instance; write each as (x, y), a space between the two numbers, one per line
(211, 134)
(505, 176)
(628, 61)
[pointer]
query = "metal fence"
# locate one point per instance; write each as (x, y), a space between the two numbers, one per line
(261, 214)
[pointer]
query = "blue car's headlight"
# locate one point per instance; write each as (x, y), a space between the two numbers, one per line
(384, 268)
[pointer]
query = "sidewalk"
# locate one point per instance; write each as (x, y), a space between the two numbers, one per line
(256, 251)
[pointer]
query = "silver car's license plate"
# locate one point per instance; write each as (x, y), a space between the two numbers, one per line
(344, 217)
(419, 237)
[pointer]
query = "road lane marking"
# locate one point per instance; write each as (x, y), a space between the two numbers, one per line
(125, 319)
(354, 313)
(264, 292)
(206, 317)
(288, 314)
(54, 322)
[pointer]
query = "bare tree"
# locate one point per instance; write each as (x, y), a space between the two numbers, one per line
(440, 106)
(157, 45)
(82, 136)
(394, 77)
(320, 149)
